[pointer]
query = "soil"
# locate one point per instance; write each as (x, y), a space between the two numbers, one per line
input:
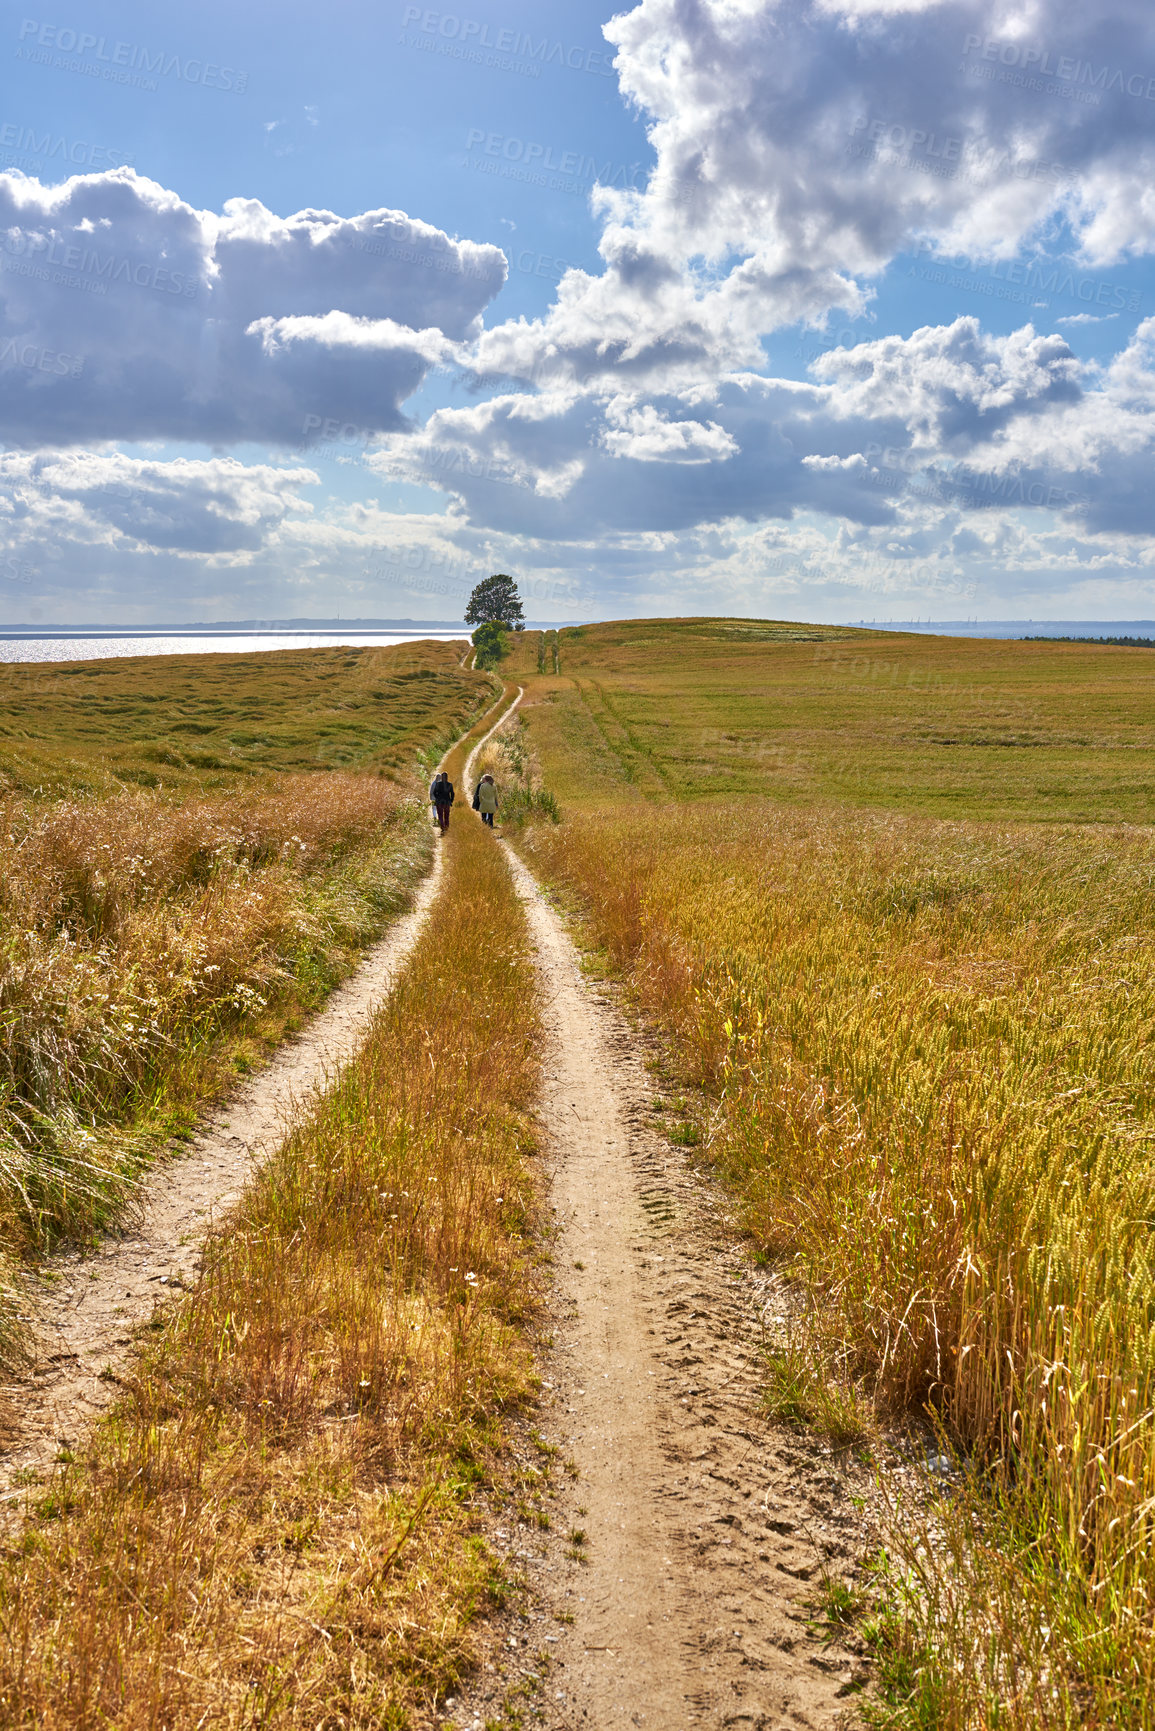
(706, 1533)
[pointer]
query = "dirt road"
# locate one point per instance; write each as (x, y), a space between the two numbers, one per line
(703, 1529)
(673, 1594)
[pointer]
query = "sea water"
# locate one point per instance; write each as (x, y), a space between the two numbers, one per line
(99, 648)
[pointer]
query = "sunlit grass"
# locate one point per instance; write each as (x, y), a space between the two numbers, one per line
(923, 1053)
(275, 1526)
(197, 722)
(517, 773)
(704, 709)
(137, 933)
(153, 942)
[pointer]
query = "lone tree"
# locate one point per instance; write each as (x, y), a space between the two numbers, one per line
(496, 602)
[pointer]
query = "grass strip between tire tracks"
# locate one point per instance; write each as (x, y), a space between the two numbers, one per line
(274, 1525)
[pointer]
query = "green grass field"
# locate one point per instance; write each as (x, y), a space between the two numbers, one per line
(213, 721)
(738, 709)
(888, 902)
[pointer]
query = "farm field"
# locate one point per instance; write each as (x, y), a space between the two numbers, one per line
(890, 903)
(732, 708)
(208, 722)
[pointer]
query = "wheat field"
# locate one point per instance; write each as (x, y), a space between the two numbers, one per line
(921, 1051)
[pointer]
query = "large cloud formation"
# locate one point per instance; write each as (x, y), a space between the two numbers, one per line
(801, 147)
(219, 507)
(127, 314)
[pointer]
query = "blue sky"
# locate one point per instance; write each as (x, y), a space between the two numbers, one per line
(811, 309)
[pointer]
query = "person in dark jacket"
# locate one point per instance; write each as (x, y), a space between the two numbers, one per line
(441, 798)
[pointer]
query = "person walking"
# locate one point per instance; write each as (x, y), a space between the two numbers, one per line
(487, 799)
(441, 798)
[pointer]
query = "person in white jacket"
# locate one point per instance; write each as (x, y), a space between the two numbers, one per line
(487, 799)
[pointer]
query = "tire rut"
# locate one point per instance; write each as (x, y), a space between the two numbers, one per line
(706, 1530)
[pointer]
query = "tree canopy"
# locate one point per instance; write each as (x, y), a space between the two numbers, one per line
(496, 602)
(490, 642)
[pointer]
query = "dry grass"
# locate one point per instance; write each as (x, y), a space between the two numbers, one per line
(152, 943)
(510, 759)
(137, 934)
(274, 1526)
(927, 1048)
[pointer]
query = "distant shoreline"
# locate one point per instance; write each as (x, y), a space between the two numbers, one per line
(339, 629)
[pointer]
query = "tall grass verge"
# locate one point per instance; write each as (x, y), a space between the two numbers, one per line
(508, 757)
(144, 944)
(274, 1526)
(925, 1048)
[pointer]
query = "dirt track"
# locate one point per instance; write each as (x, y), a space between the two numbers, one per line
(705, 1529)
(86, 1308)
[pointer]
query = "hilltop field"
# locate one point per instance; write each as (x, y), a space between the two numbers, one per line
(190, 724)
(733, 709)
(889, 900)
(883, 902)
(198, 847)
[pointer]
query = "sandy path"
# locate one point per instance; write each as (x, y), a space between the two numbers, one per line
(467, 772)
(702, 1523)
(85, 1307)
